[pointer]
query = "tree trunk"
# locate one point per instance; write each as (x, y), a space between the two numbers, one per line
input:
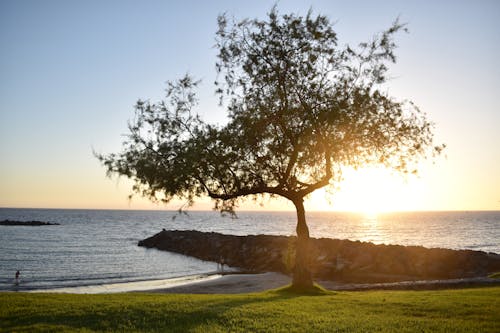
(302, 279)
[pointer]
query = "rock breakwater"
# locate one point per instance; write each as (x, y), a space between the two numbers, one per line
(27, 223)
(331, 259)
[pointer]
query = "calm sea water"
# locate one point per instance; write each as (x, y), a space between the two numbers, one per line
(93, 247)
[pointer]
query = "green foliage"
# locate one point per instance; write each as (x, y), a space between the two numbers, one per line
(495, 276)
(300, 109)
(467, 310)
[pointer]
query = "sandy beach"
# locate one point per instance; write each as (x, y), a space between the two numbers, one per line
(136, 286)
(248, 283)
(232, 284)
(228, 283)
(241, 283)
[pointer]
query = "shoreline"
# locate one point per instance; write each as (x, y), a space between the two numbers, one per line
(133, 286)
(239, 283)
(243, 283)
(251, 283)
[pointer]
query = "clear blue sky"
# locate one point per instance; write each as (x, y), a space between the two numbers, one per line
(71, 71)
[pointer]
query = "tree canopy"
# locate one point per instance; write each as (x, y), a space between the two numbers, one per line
(300, 108)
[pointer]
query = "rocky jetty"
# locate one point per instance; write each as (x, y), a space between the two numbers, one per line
(331, 259)
(28, 223)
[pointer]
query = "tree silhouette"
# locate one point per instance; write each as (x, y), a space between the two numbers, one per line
(300, 109)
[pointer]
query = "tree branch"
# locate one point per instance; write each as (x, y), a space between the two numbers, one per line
(289, 168)
(324, 181)
(250, 191)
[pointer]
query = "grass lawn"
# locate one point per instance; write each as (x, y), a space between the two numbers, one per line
(461, 310)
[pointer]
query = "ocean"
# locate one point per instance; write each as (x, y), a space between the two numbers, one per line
(99, 247)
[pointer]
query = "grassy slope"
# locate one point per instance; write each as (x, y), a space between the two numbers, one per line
(465, 310)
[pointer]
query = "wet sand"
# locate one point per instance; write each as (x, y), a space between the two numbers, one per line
(238, 283)
(136, 286)
(232, 284)
(248, 283)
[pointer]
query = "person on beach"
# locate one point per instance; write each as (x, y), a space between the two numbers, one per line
(16, 281)
(220, 264)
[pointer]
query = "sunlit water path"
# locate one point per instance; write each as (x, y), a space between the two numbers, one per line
(96, 247)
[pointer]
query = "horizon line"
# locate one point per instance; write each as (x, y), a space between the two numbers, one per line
(260, 210)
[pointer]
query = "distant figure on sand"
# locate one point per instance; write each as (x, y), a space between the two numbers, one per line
(16, 281)
(220, 264)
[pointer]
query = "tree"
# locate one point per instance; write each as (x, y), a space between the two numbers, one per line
(300, 107)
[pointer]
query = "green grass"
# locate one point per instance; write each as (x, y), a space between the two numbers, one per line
(461, 310)
(495, 276)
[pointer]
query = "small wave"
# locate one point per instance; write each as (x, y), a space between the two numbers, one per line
(146, 285)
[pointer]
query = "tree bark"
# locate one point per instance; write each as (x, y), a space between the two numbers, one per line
(302, 279)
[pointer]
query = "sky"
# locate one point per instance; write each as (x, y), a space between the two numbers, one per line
(71, 71)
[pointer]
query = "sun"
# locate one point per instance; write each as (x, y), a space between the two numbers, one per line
(371, 191)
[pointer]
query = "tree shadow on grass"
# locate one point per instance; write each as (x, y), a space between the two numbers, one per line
(151, 313)
(290, 291)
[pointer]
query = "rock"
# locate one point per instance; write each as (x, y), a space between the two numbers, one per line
(27, 223)
(331, 259)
